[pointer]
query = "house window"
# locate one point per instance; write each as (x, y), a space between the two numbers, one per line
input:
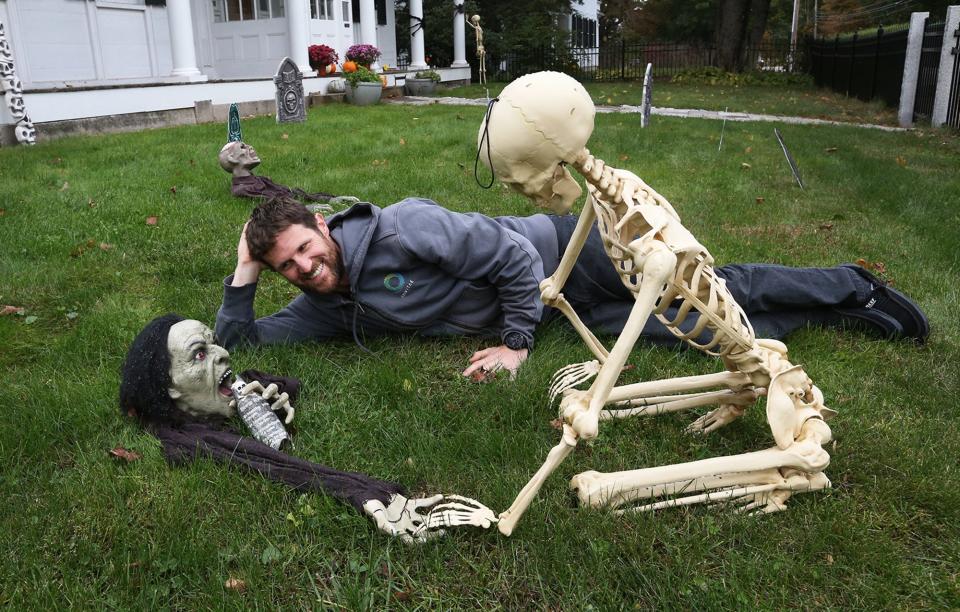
(246, 10)
(379, 5)
(583, 31)
(321, 9)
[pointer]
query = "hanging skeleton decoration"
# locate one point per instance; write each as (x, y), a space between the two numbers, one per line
(474, 22)
(177, 382)
(536, 130)
(13, 93)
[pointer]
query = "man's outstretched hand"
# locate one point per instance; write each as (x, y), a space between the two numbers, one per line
(490, 360)
(248, 269)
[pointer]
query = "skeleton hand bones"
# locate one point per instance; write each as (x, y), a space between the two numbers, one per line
(279, 401)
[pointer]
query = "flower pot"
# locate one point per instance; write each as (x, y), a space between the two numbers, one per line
(325, 70)
(420, 87)
(364, 94)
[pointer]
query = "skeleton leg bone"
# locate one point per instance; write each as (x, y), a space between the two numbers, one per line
(653, 406)
(510, 517)
(598, 490)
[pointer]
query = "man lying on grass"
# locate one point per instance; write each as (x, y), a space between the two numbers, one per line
(415, 267)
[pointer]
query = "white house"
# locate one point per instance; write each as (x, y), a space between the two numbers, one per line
(83, 59)
(156, 62)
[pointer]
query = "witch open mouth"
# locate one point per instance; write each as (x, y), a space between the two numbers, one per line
(223, 385)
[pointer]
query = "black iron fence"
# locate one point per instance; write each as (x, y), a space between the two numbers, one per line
(953, 109)
(629, 61)
(865, 67)
(927, 74)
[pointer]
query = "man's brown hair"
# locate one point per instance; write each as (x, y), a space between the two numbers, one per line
(272, 217)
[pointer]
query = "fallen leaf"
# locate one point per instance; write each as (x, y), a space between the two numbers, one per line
(6, 309)
(403, 141)
(73, 314)
(402, 595)
(760, 200)
(3, 211)
(66, 185)
(56, 160)
(826, 226)
(151, 220)
(624, 157)
(105, 246)
(609, 101)
(30, 320)
(748, 150)
(284, 136)
(409, 461)
(91, 202)
(173, 190)
(831, 149)
(557, 424)
(482, 376)
(122, 453)
(745, 166)
(407, 385)
(235, 584)
(901, 161)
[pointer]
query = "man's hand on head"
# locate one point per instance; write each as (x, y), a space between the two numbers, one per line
(248, 269)
(495, 358)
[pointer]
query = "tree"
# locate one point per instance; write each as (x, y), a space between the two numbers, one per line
(507, 26)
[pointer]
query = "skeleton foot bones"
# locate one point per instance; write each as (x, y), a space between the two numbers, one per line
(533, 134)
(418, 520)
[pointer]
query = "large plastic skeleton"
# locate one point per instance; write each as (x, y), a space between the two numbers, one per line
(539, 127)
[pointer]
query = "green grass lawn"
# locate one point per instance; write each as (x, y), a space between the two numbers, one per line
(787, 100)
(79, 529)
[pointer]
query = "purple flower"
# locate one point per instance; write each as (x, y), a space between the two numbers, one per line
(363, 54)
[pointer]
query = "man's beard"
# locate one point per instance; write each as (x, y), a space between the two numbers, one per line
(326, 272)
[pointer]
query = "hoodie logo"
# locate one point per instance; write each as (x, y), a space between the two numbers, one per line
(395, 282)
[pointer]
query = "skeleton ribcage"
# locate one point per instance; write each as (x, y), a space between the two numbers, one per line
(694, 288)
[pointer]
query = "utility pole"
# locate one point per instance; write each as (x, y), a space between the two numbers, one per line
(793, 33)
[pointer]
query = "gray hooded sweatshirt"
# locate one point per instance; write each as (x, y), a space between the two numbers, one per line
(413, 267)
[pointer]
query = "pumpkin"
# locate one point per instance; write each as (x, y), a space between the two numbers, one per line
(349, 66)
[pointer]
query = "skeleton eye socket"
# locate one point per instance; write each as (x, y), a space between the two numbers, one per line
(200, 355)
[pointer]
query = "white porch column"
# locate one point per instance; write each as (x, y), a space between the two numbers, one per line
(459, 43)
(416, 38)
(941, 100)
(298, 12)
(368, 27)
(911, 69)
(181, 42)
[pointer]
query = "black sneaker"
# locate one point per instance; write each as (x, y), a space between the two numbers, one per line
(896, 315)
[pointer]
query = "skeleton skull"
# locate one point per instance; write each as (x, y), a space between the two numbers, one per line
(25, 132)
(200, 374)
(238, 158)
(540, 122)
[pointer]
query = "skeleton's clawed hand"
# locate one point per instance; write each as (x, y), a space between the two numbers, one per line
(421, 519)
(278, 401)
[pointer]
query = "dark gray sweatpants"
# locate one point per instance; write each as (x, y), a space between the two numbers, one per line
(777, 299)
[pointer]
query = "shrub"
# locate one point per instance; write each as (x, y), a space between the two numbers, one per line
(362, 75)
(433, 75)
(363, 54)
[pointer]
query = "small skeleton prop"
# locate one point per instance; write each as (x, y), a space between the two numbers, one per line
(178, 382)
(539, 126)
(474, 22)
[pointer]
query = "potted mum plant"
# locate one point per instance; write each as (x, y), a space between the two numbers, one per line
(423, 83)
(363, 55)
(363, 86)
(323, 59)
